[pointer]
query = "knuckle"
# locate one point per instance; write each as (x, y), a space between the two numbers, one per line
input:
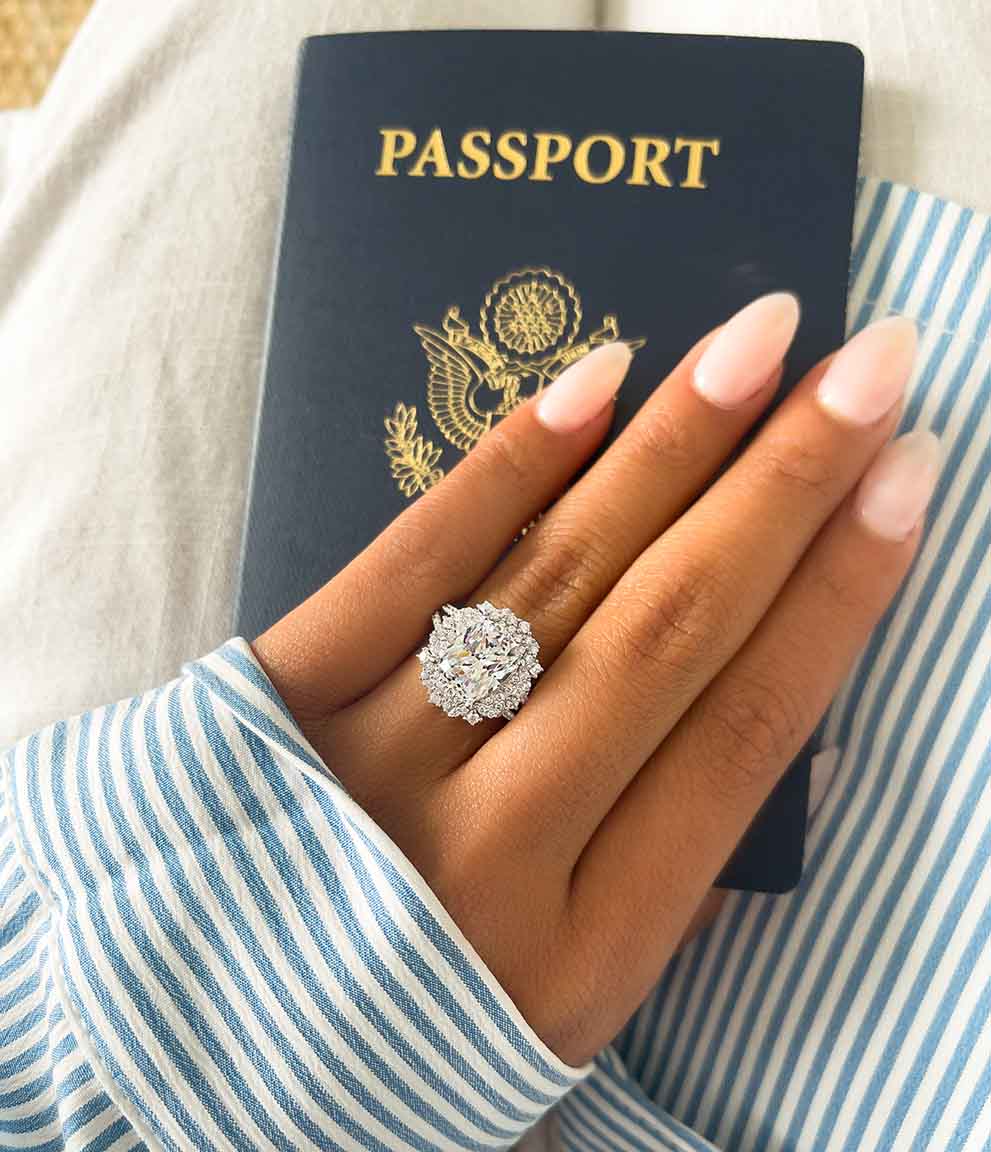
(503, 454)
(684, 602)
(661, 436)
(753, 728)
(633, 645)
(588, 974)
(848, 591)
(567, 1025)
(416, 550)
(411, 544)
(672, 620)
(795, 465)
(564, 572)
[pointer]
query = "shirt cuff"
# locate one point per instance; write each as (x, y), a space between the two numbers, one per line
(249, 960)
(609, 1110)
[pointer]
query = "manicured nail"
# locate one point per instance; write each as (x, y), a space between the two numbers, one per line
(867, 377)
(744, 353)
(898, 486)
(584, 388)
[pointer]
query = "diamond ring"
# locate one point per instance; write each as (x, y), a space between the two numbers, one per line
(479, 662)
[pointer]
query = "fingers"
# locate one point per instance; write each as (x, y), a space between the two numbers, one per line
(353, 631)
(691, 599)
(657, 467)
(676, 825)
(566, 564)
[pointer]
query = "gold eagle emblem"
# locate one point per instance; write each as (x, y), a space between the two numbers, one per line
(529, 325)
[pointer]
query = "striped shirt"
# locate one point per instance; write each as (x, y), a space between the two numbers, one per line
(206, 944)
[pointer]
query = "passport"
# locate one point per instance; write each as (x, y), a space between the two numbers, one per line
(466, 212)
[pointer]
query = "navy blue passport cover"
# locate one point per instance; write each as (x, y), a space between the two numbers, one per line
(428, 274)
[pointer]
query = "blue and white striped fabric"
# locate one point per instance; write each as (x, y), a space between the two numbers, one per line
(206, 944)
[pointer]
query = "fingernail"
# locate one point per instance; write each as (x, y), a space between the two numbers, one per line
(584, 388)
(745, 352)
(868, 375)
(897, 488)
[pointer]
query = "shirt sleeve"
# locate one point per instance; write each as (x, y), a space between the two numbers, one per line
(238, 955)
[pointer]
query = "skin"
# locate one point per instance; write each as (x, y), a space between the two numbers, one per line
(693, 633)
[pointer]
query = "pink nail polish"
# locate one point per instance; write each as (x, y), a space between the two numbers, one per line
(746, 351)
(584, 388)
(867, 377)
(897, 488)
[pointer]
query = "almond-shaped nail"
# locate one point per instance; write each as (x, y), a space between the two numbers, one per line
(895, 492)
(867, 377)
(584, 388)
(745, 352)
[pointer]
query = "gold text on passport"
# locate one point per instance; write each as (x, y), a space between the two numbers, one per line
(681, 162)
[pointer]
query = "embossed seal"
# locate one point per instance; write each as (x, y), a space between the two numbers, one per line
(529, 325)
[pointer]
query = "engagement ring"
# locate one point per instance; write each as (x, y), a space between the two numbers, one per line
(479, 662)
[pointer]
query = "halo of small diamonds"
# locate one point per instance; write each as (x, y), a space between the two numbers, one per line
(479, 662)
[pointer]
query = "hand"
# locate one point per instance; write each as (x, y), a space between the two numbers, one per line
(691, 643)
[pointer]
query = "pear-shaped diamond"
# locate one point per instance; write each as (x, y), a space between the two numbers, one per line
(479, 661)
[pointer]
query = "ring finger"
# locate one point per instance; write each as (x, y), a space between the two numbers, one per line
(562, 569)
